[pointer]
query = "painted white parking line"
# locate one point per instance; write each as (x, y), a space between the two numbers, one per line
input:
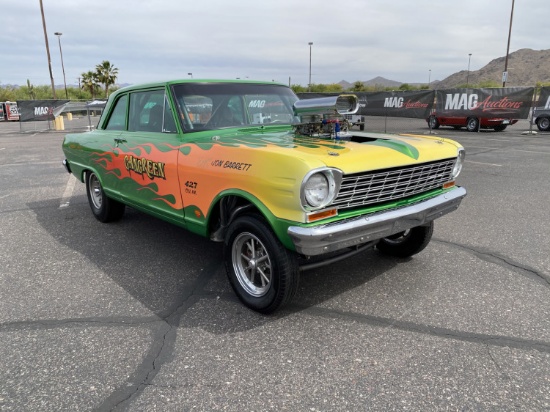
(67, 194)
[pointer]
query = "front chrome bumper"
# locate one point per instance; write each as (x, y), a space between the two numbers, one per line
(316, 240)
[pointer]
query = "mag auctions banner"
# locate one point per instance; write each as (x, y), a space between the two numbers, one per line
(416, 104)
(544, 98)
(40, 110)
(511, 102)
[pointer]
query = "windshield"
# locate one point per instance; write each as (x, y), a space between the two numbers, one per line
(211, 106)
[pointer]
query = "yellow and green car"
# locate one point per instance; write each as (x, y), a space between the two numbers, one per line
(284, 183)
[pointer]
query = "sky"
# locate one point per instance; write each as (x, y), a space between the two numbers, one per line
(410, 41)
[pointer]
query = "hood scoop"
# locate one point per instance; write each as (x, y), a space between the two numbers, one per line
(363, 139)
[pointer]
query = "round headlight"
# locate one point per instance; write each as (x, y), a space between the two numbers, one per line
(319, 188)
(459, 162)
(316, 190)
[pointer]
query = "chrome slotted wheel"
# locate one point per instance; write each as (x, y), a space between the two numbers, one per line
(96, 193)
(261, 271)
(251, 264)
(104, 208)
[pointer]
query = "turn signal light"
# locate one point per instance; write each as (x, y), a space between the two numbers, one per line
(448, 185)
(321, 215)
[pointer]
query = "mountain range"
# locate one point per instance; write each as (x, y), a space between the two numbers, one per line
(526, 67)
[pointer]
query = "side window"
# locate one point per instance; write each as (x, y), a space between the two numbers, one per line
(117, 121)
(146, 111)
(149, 112)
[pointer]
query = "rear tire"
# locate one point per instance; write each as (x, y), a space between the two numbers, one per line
(407, 243)
(104, 208)
(473, 124)
(261, 271)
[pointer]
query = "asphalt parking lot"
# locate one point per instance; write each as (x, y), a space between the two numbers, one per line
(138, 315)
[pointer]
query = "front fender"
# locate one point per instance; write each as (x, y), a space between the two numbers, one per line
(279, 226)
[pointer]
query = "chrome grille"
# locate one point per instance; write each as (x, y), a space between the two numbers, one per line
(381, 186)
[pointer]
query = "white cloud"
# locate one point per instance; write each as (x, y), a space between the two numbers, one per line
(268, 40)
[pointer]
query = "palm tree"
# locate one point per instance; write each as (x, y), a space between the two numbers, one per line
(106, 74)
(90, 82)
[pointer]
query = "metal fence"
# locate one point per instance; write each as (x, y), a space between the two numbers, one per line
(38, 116)
(383, 112)
(478, 110)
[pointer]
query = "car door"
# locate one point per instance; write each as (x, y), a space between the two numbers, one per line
(149, 152)
(101, 146)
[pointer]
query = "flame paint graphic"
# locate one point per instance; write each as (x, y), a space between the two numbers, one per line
(155, 188)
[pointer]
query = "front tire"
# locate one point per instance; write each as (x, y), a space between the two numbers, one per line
(261, 271)
(104, 208)
(543, 124)
(473, 124)
(407, 243)
(433, 122)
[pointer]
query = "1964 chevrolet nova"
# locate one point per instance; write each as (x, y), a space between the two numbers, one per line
(284, 183)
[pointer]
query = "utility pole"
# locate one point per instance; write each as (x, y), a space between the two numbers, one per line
(505, 73)
(309, 84)
(47, 48)
(58, 34)
(468, 75)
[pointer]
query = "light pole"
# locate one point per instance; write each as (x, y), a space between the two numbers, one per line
(468, 75)
(309, 84)
(47, 48)
(505, 73)
(429, 77)
(58, 34)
